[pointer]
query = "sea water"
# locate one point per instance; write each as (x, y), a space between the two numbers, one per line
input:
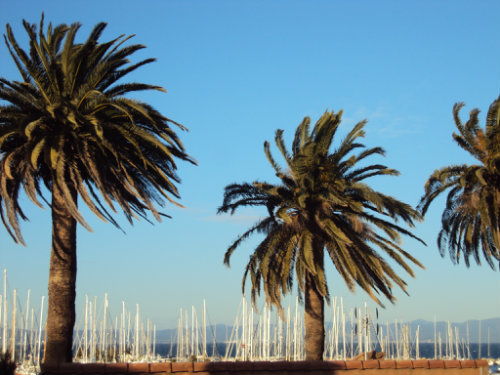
(426, 350)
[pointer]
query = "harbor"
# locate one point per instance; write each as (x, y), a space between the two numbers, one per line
(255, 335)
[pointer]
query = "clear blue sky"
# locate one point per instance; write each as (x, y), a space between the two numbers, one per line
(235, 72)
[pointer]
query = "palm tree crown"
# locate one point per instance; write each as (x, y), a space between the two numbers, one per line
(69, 123)
(471, 218)
(322, 203)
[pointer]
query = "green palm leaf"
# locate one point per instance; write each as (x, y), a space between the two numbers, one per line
(471, 219)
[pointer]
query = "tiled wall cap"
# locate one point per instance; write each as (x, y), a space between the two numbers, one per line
(436, 363)
(404, 364)
(262, 365)
(371, 364)
(224, 366)
(336, 365)
(482, 363)
(468, 363)
(420, 363)
(86, 368)
(208, 367)
(182, 366)
(352, 365)
(280, 365)
(160, 367)
(298, 366)
(387, 363)
(138, 367)
(319, 365)
(452, 364)
(116, 368)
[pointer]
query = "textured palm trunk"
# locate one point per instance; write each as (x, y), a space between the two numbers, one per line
(62, 280)
(314, 321)
(314, 316)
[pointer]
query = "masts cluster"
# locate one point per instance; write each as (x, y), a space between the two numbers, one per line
(254, 336)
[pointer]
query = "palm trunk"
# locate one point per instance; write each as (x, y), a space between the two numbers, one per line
(314, 315)
(62, 281)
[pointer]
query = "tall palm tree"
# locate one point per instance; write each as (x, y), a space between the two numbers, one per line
(471, 218)
(69, 129)
(322, 204)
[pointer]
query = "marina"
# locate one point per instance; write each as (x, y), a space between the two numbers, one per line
(254, 336)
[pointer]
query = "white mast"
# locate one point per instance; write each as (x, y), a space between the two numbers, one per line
(360, 332)
(435, 342)
(337, 329)
(115, 339)
(148, 338)
(332, 331)
(192, 331)
(32, 332)
(187, 337)
(179, 336)
(397, 339)
(468, 341)
(4, 336)
(479, 354)
(94, 327)
(129, 324)
(26, 316)
(489, 342)
(104, 326)
(295, 327)
(1, 296)
(204, 329)
(451, 338)
(268, 333)
(40, 331)
(244, 328)
(13, 331)
(352, 333)
(197, 331)
(417, 349)
(288, 338)
(122, 334)
(137, 332)
(154, 340)
(343, 327)
(366, 329)
(91, 326)
(86, 330)
(388, 339)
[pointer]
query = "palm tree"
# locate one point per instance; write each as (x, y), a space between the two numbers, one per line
(322, 204)
(471, 218)
(68, 129)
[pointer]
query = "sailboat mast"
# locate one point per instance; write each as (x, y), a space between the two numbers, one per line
(86, 329)
(343, 328)
(40, 331)
(204, 329)
(435, 342)
(4, 336)
(13, 328)
(25, 328)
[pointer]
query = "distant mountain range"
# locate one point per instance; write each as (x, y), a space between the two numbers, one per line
(490, 331)
(489, 327)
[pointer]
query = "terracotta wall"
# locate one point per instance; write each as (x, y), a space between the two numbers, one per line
(382, 367)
